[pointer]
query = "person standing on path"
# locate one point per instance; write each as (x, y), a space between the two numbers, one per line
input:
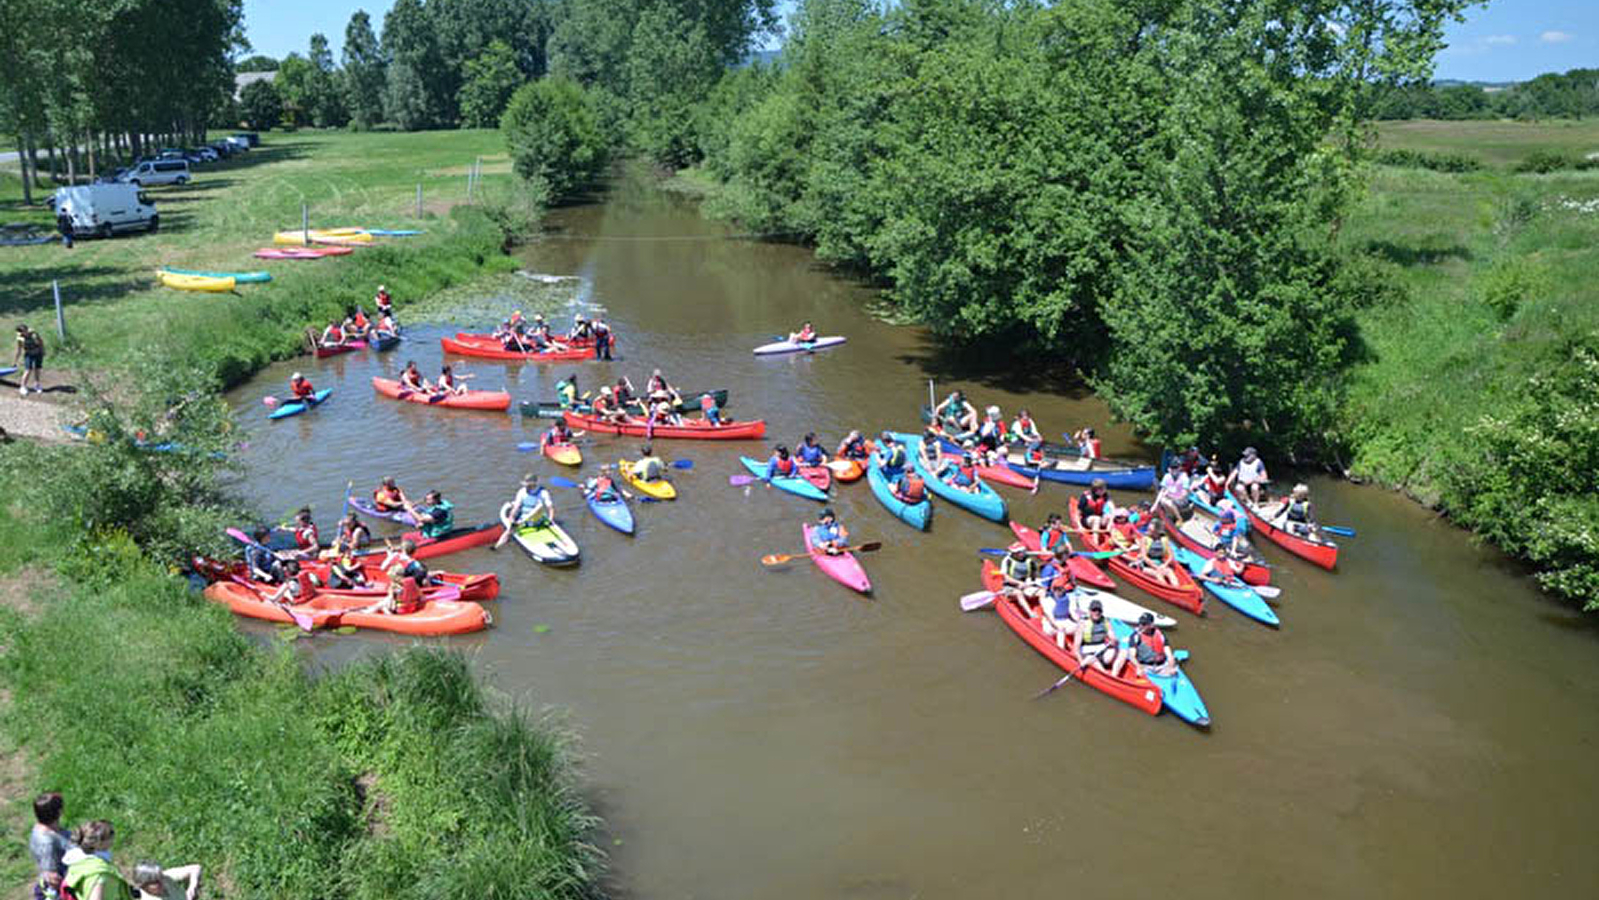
(30, 352)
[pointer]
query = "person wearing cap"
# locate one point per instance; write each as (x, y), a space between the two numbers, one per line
(435, 516)
(662, 412)
(828, 535)
(956, 414)
(580, 329)
(1250, 475)
(780, 465)
(1094, 507)
(532, 506)
(301, 388)
(1020, 572)
(894, 456)
(991, 434)
(1148, 649)
(649, 467)
(1294, 513)
(607, 409)
(1095, 643)
(810, 452)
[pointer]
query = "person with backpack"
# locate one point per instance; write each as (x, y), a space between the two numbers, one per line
(30, 352)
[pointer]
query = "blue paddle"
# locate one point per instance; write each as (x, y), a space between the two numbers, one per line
(561, 482)
(1338, 530)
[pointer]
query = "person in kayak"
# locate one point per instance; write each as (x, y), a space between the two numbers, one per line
(388, 497)
(991, 434)
(581, 330)
(1294, 513)
(662, 412)
(1024, 430)
(956, 414)
(351, 334)
(346, 573)
(624, 393)
(853, 446)
(1156, 555)
(1249, 476)
(566, 391)
(1020, 571)
(383, 302)
(435, 517)
(603, 339)
(1094, 507)
(387, 327)
(1230, 528)
(1059, 604)
(828, 535)
(301, 389)
(895, 458)
(299, 586)
(1148, 649)
(1095, 643)
(352, 535)
(1214, 481)
(805, 335)
(604, 487)
(781, 465)
(1055, 535)
(517, 322)
(909, 487)
(449, 383)
(811, 453)
(1191, 462)
(657, 389)
(332, 336)
(649, 467)
(510, 338)
(359, 321)
(1222, 568)
(959, 472)
(531, 507)
(713, 413)
(411, 378)
(607, 409)
(403, 597)
(403, 555)
(557, 435)
(307, 542)
(1173, 496)
(262, 564)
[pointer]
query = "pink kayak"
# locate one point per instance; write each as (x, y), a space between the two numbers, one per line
(842, 568)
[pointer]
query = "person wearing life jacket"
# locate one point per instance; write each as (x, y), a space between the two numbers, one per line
(1249, 476)
(387, 327)
(1191, 462)
(991, 434)
(557, 435)
(805, 335)
(581, 331)
(345, 572)
(263, 565)
(90, 874)
(956, 414)
(511, 338)
(649, 466)
(909, 487)
(603, 339)
(307, 542)
(829, 536)
(658, 388)
(411, 378)
(299, 586)
(662, 412)
(1148, 648)
(781, 465)
(435, 516)
(1087, 443)
(853, 446)
(1055, 534)
(531, 507)
(352, 535)
(449, 383)
(360, 321)
(1024, 430)
(713, 413)
(1020, 572)
(403, 555)
(566, 391)
(1123, 533)
(383, 302)
(517, 322)
(811, 453)
(332, 336)
(1221, 568)
(1157, 555)
(1061, 618)
(1294, 513)
(1095, 643)
(1094, 506)
(603, 486)
(624, 393)
(301, 388)
(895, 458)
(403, 597)
(1230, 526)
(606, 408)
(387, 496)
(1214, 481)
(1173, 496)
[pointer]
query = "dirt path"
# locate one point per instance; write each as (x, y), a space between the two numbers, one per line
(38, 416)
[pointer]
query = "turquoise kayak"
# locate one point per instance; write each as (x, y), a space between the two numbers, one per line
(1238, 595)
(915, 515)
(984, 502)
(295, 407)
(794, 485)
(1177, 693)
(241, 277)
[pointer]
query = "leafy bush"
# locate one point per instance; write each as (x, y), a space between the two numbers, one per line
(1542, 162)
(1509, 284)
(1437, 162)
(554, 136)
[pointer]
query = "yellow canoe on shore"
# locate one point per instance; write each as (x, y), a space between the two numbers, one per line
(324, 236)
(196, 282)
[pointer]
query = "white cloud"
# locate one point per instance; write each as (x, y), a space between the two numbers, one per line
(1554, 37)
(1499, 39)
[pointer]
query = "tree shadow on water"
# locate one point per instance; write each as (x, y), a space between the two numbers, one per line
(1021, 372)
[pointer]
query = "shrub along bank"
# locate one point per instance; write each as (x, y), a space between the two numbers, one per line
(145, 705)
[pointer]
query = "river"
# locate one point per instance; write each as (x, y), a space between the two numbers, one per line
(1422, 725)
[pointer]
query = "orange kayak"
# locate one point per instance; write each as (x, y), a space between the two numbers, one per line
(327, 610)
(847, 470)
(565, 454)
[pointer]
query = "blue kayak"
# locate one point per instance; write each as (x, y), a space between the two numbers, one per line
(916, 515)
(386, 342)
(1177, 693)
(7, 370)
(984, 502)
(613, 512)
(1236, 594)
(792, 484)
(240, 277)
(295, 407)
(394, 232)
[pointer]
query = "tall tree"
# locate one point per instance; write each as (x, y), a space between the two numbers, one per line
(365, 72)
(491, 79)
(422, 87)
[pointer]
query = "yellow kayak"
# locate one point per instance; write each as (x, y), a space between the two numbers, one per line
(660, 490)
(196, 282)
(335, 236)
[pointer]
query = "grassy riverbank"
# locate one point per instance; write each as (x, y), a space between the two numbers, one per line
(1479, 398)
(142, 702)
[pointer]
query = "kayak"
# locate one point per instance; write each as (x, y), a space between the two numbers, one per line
(323, 236)
(691, 429)
(1083, 568)
(490, 348)
(917, 515)
(301, 252)
(565, 454)
(452, 541)
(489, 340)
(1195, 535)
(1235, 593)
(998, 474)
(547, 543)
(384, 342)
(843, 568)
(1318, 550)
(239, 277)
(195, 282)
(481, 586)
(295, 407)
(1131, 688)
(821, 343)
(660, 490)
(820, 477)
(394, 232)
(366, 507)
(1186, 594)
(322, 352)
(847, 470)
(614, 512)
(1079, 470)
(1177, 693)
(330, 610)
(984, 502)
(797, 486)
(494, 400)
(552, 409)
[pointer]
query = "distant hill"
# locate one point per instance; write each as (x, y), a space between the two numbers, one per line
(1485, 85)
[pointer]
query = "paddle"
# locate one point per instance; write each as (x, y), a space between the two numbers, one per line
(1339, 530)
(741, 480)
(560, 482)
(305, 622)
(1096, 554)
(777, 559)
(1061, 683)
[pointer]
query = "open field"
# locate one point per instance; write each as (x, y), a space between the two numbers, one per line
(1500, 144)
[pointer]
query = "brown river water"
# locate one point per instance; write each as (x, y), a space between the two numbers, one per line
(1424, 723)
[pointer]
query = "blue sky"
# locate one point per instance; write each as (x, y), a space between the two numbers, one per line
(1509, 40)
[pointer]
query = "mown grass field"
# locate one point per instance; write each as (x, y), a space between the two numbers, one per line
(1498, 143)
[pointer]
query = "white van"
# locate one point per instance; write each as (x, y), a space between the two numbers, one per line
(158, 171)
(103, 209)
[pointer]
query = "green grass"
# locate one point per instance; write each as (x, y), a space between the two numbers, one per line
(1501, 144)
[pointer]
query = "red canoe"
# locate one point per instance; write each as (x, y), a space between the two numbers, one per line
(1000, 474)
(1083, 568)
(1187, 593)
(691, 429)
(464, 344)
(454, 541)
(470, 338)
(346, 347)
(1322, 553)
(1132, 688)
(496, 400)
(1195, 534)
(483, 586)
(329, 610)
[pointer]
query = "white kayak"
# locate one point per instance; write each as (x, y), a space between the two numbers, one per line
(1116, 608)
(821, 343)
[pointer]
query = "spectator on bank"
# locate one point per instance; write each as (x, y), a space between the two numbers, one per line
(90, 875)
(181, 883)
(48, 843)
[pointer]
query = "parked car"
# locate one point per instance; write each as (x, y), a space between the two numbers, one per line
(252, 137)
(112, 177)
(238, 143)
(103, 209)
(159, 171)
(222, 148)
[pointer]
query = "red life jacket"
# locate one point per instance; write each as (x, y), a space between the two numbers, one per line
(302, 388)
(410, 596)
(968, 472)
(912, 489)
(603, 485)
(1155, 642)
(555, 437)
(1089, 505)
(335, 334)
(306, 538)
(784, 466)
(1091, 448)
(807, 335)
(411, 379)
(305, 586)
(1050, 538)
(1127, 530)
(360, 320)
